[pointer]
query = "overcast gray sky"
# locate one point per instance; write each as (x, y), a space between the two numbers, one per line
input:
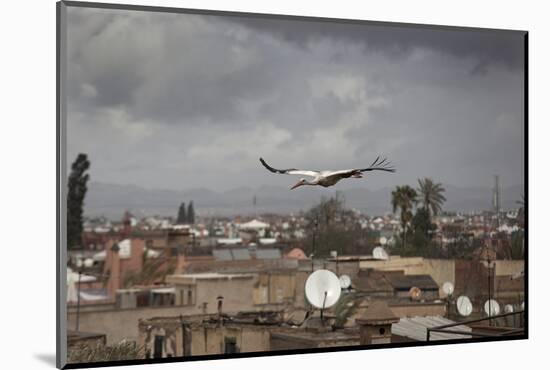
(180, 101)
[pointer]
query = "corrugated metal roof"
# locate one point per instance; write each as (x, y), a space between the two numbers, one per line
(416, 328)
(222, 254)
(270, 253)
(240, 254)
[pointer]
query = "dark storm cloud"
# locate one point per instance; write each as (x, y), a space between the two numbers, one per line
(179, 101)
(485, 46)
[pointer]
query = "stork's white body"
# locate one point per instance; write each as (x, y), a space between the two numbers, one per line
(330, 178)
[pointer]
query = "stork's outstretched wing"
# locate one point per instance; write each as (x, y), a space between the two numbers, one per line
(290, 171)
(377, 165)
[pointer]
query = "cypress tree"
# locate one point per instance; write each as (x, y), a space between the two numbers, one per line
(182, 217)
(191, 213)
(77, 185)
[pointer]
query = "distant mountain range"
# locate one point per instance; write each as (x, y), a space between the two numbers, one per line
(112, 200)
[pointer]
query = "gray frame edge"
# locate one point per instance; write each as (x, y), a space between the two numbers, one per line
(61, 214)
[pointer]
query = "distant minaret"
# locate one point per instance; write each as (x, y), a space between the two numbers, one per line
(496, 199)
(254, 200)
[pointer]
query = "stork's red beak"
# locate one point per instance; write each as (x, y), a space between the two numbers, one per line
(297, 184)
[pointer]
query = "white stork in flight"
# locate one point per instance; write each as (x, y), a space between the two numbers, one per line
(329, 178)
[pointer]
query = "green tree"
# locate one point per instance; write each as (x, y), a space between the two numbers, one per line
(182, 217)
(116, 352)
(431, 196)
(346, 307)
(77, 187)
(191, 213)
(153, 270)
(516, 245)
(330, 226)
(403, 198)
(422, 233)
(521, 211)
(422, 224)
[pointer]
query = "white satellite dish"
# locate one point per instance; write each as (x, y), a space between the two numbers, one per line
(323, 289)
(345, 281)
(508, 308)
(88, 262)
(464, 305)
(448, 288)
(491, 307)
(379, 253)
(383, 240)
(523, 306)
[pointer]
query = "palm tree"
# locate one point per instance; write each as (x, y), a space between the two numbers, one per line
(404, 199)
(521, 211)
(431, 196)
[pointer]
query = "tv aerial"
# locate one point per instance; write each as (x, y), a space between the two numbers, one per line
(464, 306)
(448, 288)
(491, 307)
(380, 253)
(323, 289)
(345, 282)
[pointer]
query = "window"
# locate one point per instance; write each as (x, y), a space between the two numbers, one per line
(159, 343)
(189, 297)
(231, 345)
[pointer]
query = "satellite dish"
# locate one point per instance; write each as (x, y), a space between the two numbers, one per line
(494, 307)
(323, 289)
(448, 288)
(464, 306)
(383, 240)
(415, 293)
(508, 308)
(379, 253)
(523, 306)
(345, 281)
(88, 262)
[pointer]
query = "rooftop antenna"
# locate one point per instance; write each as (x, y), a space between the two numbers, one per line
(315, 225)
(489, 256)
(496, 199)
(448, 289)
(380, 253)
(323, 289)
(464, 306)
(334, 255)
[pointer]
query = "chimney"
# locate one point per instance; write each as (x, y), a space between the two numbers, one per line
(375, 325)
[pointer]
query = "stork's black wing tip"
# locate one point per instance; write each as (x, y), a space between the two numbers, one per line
(268, 166)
